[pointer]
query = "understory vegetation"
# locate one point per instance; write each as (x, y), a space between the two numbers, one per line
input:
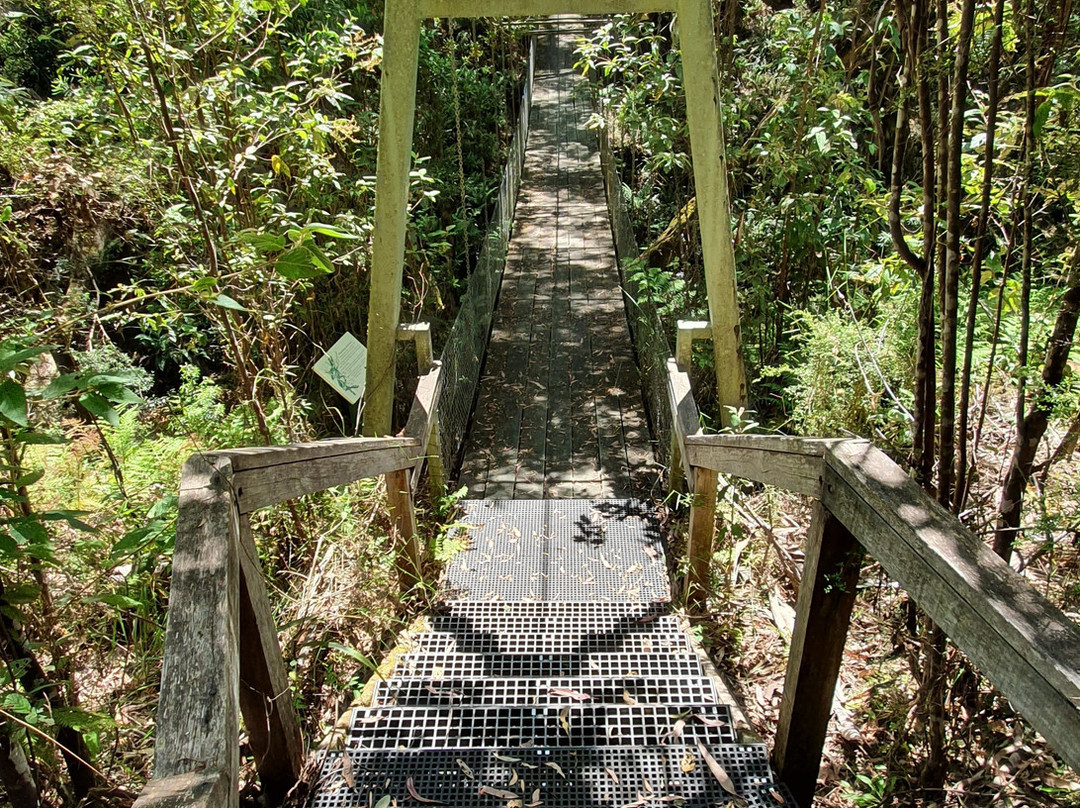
(906, 202)
(186, 207)
(186, 203)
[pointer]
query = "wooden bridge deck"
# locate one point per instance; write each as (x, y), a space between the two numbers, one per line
(560, 411)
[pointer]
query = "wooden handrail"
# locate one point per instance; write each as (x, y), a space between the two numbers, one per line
(1023, 643)
(222, 658)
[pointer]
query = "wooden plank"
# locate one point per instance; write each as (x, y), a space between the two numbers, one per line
(699, 538)
(684, 413)
(207, 788)
(425, 403)
(794, 472)
(822, 615)
(259, 488)
(198, 713)
(540, 8)
(705, 122)
(409, 554)
(261, 457)
(265, 694)
(397, 104)
(1018, 639)
(686, 332)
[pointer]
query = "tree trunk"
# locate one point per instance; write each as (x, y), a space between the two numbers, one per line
(951, 269)
(1030, 430)
(962, 463)
(15, 773)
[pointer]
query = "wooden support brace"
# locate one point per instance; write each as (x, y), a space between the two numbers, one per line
(686, 332)
(826, 598)
(265, 695)
(409, 553)
(699, 540)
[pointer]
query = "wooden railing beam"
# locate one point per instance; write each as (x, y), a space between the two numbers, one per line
(265, 694)
(299, 473)
(1015, 636)
(791, 463)
(822, 615)
(207, 788)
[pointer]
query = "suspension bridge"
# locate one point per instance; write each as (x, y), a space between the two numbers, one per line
(559, 670)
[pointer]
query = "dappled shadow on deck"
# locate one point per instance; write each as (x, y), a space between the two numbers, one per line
(560, 411)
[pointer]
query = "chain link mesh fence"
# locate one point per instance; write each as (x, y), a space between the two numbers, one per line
(463, 352)
(646, 329)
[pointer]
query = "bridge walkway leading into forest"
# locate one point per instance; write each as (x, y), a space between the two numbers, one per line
(560, 411)
(557, 675)
(555, 671)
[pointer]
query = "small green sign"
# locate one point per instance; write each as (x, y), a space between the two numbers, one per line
(344, 367)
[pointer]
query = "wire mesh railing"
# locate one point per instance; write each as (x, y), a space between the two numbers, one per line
(646, 328)
(463, 352)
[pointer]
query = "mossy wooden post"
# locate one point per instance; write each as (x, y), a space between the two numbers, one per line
(822, 614)
(397, 103)
(703, 115)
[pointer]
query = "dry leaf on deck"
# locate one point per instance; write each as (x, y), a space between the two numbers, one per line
(465, 769)
(628, 700)
(718, 771)
(347, 770)
(566, 692)
(501, 793)
(688, 763)
(557, 768)
(413, 793)
(612, 775)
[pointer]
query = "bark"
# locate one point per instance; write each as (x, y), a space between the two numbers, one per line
(15, 773)
(18, 653)
(1032, 428)
(962, 470)
(951, 269)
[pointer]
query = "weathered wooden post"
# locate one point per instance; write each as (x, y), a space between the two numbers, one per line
(420, 335)
(196, 755)
(699, 538)
(822, 614)
(409, 555)
(686, 332)
(397, 103)
(706, 123)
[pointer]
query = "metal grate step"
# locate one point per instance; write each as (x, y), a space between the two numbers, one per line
(599, 689)
(566, 777)
(471, 726)
(662, 636)
(442, 666)
(559, 550)
(591, 616)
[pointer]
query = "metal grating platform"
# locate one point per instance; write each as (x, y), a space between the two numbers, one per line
(661, 636)
(449, 665)
(470, 726)
(565, 778)
(593, 689)
(586, 616)
(559, 550)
